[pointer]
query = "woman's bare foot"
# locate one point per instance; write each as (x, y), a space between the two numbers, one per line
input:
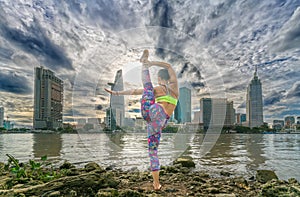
(157, 187)
(145, 56)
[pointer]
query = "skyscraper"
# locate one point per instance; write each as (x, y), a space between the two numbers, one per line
(1, 116)
(116, 111)
(185, 99)
(48, 100)
(213, 112)
(254, 104)
(206, 110)
(230, 114)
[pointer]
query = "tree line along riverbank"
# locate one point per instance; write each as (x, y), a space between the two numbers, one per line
(40, 178)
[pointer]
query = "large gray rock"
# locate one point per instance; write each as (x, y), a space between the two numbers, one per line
(92, 166)
(185, 161)
(264, 176)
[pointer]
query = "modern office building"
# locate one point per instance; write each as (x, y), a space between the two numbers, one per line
(177, 116)
(230, 114)
(240, 118)
(1, 116)
(254, 103)
(213, 112)
(48, 100)
(116, 112)
(243, 118)
(185, 99)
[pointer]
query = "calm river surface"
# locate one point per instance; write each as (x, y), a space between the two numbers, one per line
(240, 154)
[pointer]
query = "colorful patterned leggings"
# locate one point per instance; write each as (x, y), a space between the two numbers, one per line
(155, 117)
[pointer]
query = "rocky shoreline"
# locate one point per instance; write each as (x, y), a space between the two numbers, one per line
(177, 180)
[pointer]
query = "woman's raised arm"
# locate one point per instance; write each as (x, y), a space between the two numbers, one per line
(172, 74)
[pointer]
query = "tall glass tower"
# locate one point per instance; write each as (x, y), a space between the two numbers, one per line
(116, 110)
(254, 103)
(185, 99)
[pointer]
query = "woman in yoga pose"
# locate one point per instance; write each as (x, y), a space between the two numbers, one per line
(157, 105)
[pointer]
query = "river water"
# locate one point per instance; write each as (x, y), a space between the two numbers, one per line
(240, 154)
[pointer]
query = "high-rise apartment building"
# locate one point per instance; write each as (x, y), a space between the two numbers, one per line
(213, 112)
(116, 113)
(254, 103)
(1, 116)
(185, 99)
(48, 100)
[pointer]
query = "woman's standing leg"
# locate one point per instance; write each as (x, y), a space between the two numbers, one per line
(154, 128)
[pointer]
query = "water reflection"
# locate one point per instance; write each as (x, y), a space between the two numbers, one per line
(102, 148)
(220, 155)
(255, 146)
(117, 139)
(236, 153)
(47, 144)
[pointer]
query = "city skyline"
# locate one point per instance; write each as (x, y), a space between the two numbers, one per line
(214, 47)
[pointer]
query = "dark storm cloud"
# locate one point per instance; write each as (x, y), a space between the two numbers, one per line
(161, 14)
(192, 74)
(35, 41)
(111, 15)
(106, 10)
(274, 61)
(273, 98)
(220, 9)
(99, 107)
(14, 83)
(183, 69)
(197, 84)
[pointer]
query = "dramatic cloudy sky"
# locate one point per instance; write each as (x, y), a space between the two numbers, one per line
(213, 45)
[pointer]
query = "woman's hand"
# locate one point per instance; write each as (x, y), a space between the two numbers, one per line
(111, 92)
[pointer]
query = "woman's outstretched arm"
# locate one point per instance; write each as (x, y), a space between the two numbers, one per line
(125, 92)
